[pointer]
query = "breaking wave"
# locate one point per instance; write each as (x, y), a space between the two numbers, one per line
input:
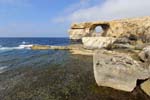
(22, 46)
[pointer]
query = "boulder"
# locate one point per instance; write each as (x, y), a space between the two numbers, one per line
(146, 87)
(97, 42)
(145, 54)
(117, 70)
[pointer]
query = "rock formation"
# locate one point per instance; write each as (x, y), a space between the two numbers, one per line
(145, 54)
(134, 28)
(97, 42)
(113, 69)
(74, 48)
(118, 70)
(128, 58)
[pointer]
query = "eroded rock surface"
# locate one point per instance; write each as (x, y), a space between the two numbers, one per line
(134, 29)
(47, 47)
(145, 54)
(97, 42)
(118, 70)
(146, 87)
(74, 48)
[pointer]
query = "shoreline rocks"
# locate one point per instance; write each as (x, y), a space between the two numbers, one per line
(118, 70)
(124, 63)
(74, 49)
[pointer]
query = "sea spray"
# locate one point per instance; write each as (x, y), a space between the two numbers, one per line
(16, 48)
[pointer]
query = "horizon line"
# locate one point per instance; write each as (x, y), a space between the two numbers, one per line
(34, 37)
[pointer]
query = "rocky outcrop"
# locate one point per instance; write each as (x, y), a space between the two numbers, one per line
(145, 54)
(118, 70)
(97, 42)
(134, 28)
(146, 87)
(47, 47)
(74, 48)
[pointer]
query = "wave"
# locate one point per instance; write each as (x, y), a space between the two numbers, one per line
(17, 48)
(2, 69)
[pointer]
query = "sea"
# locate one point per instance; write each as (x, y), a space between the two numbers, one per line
(16, 52)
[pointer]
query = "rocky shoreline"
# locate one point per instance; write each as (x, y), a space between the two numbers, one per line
(65, 77)
(119, 68)
(121, 52)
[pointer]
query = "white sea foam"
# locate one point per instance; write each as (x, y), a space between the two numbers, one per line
(25, 46)
(23, 43)
(17, 48)
(2, 69)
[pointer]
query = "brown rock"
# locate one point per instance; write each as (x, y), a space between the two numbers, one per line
(146, 87)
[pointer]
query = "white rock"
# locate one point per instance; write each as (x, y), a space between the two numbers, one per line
(97, 42)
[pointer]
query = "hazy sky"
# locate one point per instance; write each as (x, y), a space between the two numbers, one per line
(52, 18)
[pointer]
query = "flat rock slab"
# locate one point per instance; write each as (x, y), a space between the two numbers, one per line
(117, 70)
(47, 47)
(146, 87)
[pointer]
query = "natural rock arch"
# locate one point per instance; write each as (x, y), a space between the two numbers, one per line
(138, 27)
(102, 29)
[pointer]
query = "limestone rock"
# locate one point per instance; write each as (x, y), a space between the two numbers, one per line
(117, 70)
(77, 34)
(47, 47)
(146, 87)
(133, 28)
(74, 49)
(122, 46)
(122, 40)
(97, 42)
(145, 54)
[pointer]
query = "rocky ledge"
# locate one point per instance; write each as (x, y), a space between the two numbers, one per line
(74, 48)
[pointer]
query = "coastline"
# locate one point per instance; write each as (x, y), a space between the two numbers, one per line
(67, 76)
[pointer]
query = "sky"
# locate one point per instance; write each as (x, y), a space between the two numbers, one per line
(52, 18)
